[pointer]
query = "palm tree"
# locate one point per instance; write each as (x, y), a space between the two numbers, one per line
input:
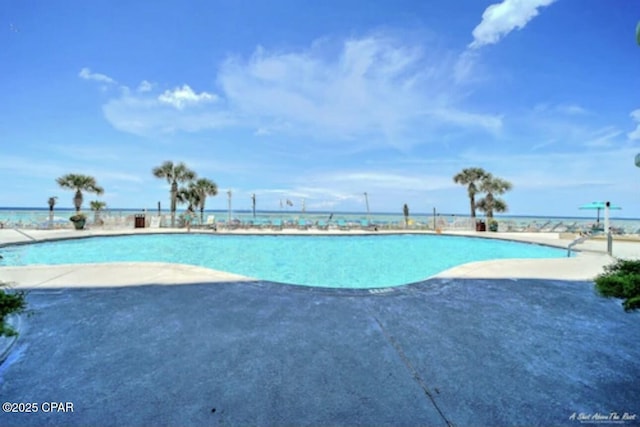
(188, 195)
(96, 207)
(493, 186)
(52, 203)
(174, 174)
(405, 212)
(203, 187)
(79, 183)
(471, 177)
(192, 197)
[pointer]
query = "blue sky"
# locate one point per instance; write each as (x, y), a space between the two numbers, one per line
(323, 101)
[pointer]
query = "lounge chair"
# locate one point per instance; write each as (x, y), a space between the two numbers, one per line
(261, 223)
(155, 222)
(276, 224)
(322, 225)
(234, 224)
(342, 225)
(211, 223)
(365, 224)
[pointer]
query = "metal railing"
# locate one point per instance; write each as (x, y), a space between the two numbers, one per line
(583, 238)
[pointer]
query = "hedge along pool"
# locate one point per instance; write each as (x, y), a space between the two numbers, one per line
(327, 261)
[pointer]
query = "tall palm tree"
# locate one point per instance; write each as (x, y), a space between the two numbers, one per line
(96, 207)
(79, 183)
(174, 174)
(203, 187)
(471, 177)
(493, 186)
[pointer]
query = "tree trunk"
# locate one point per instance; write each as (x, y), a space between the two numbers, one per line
(489, 206)
(174, 195)
(472, 199)
(77, 200)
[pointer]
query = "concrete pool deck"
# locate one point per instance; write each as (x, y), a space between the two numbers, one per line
(192, 346)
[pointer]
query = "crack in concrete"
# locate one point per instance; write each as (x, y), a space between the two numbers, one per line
(416, 376)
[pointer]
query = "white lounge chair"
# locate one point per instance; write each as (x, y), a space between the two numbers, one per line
(211, 223)
(155, 222)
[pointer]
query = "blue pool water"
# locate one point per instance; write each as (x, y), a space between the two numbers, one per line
(327, 261)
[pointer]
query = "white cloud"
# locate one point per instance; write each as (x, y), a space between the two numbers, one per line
(183, 96)
(86, 74)
(635, 134)
(500, 19)
(374, 87)
(466, 119)
(371, 91)
(149, 116)
(465, 66)
(571, 109)
(145, 86)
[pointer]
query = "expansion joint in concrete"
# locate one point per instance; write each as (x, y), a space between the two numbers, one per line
(414, 373)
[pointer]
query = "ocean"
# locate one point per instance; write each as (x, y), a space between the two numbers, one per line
(31, 218)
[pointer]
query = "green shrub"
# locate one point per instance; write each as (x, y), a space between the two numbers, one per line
(621, 280)
(626, 266)
(10, 303)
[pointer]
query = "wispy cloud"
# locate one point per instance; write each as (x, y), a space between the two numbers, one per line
(566, 109)
(145, 86)
(566, 126)
(376, 88)
(572, 109)
(148, 116)
(86, 74)
(499, 19)
(383, 181)
(635, 134)
(184, 96)
(605, 137)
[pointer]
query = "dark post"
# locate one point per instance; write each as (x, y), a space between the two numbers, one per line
(253, 200)
(434, 219)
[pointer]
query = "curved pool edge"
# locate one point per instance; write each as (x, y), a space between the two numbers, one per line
(584, 267)
(113, 274)
(117, 274)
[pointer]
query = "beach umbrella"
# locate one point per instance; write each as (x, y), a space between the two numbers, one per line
(598, 206)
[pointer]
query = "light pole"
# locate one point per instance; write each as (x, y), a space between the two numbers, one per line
(366, 200)
(253, 203)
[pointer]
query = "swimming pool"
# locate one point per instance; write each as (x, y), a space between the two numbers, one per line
(326, 261)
